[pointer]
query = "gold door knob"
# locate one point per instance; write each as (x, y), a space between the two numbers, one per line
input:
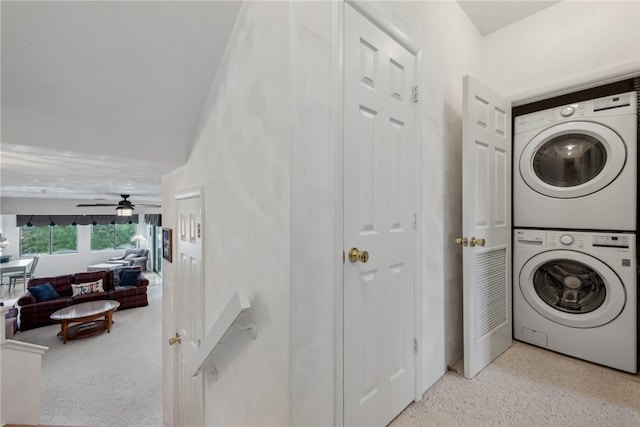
(474, 241)
(463, 241)
(176, 339)
(357, 255)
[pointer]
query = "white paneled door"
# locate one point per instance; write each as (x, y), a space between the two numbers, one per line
(486, 226)
(189, 309)
(379, 215)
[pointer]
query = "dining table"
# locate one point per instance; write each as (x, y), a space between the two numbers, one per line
(18, 265)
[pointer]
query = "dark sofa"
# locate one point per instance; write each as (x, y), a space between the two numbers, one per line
(34, 314)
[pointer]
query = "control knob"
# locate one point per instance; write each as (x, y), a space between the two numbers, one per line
(566, 239)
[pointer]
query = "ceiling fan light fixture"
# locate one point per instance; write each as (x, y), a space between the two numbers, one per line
(124, 211)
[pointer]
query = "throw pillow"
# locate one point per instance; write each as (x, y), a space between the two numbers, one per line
(129, 278)
(116, 277)
(87, 288)
(130, 257)
(44, 292)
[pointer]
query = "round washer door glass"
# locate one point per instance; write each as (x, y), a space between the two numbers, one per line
(569, 286)
(572, 288)
(570, 160)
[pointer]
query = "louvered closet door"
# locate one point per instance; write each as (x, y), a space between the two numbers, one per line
(486, 199)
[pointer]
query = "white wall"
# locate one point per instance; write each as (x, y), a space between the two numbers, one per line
(255, 150)
(314, 261)
(280, 78)
(571, 44)
(241, 159)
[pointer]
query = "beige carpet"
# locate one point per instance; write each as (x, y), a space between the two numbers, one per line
(529, 386)
(111, 379)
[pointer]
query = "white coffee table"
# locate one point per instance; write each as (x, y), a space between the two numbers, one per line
(102, 267)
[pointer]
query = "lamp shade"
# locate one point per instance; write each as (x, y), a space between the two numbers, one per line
(138, 238)
(3, 242)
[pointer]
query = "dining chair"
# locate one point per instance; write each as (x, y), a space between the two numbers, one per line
(15, 277)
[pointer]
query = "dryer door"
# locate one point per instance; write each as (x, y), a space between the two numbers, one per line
(572, 159)
(572, 289)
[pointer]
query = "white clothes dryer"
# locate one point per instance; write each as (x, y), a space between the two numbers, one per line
(575, 166)
(576, 293)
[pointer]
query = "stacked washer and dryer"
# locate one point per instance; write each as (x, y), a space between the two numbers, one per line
(574, 216)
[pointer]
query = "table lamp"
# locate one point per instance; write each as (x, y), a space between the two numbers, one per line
(3, 243)
(138, 238)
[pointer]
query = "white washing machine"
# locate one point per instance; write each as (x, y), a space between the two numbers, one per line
(575, 166)
(576, 293)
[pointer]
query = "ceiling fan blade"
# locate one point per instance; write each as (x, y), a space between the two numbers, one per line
(124, 203)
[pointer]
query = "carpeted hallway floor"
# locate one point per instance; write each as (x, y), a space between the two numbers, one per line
(529, 386)
(111, 379)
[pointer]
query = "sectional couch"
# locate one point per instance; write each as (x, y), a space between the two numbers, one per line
(34, 313)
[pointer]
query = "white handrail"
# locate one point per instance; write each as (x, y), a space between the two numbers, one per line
(237, 306)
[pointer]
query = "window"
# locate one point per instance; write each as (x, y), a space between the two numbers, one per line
(112, 236)
(48, 239)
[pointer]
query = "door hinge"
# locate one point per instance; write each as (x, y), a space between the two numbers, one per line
(416, 94)
(416, 346)
(344, 257)
(415, 220)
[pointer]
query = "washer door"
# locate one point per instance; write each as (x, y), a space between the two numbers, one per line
(572, 159)
(572, 289)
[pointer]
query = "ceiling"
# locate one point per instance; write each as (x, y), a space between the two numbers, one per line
(104, 98)
(100, 99)
(489, 16)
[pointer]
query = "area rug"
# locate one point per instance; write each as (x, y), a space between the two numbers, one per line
(111, 379)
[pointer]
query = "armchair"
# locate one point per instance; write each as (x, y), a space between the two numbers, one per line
(132, 257)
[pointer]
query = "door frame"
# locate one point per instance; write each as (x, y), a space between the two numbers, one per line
(157, 255)
(378, 17)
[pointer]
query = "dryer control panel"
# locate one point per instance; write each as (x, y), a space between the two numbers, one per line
(606, 241)
(622, 104)
(617, 101)
(575, 240)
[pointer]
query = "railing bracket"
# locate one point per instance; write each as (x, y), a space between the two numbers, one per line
(251, 329)
(211, 370)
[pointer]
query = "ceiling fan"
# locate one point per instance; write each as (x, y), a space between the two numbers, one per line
(124, 206)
